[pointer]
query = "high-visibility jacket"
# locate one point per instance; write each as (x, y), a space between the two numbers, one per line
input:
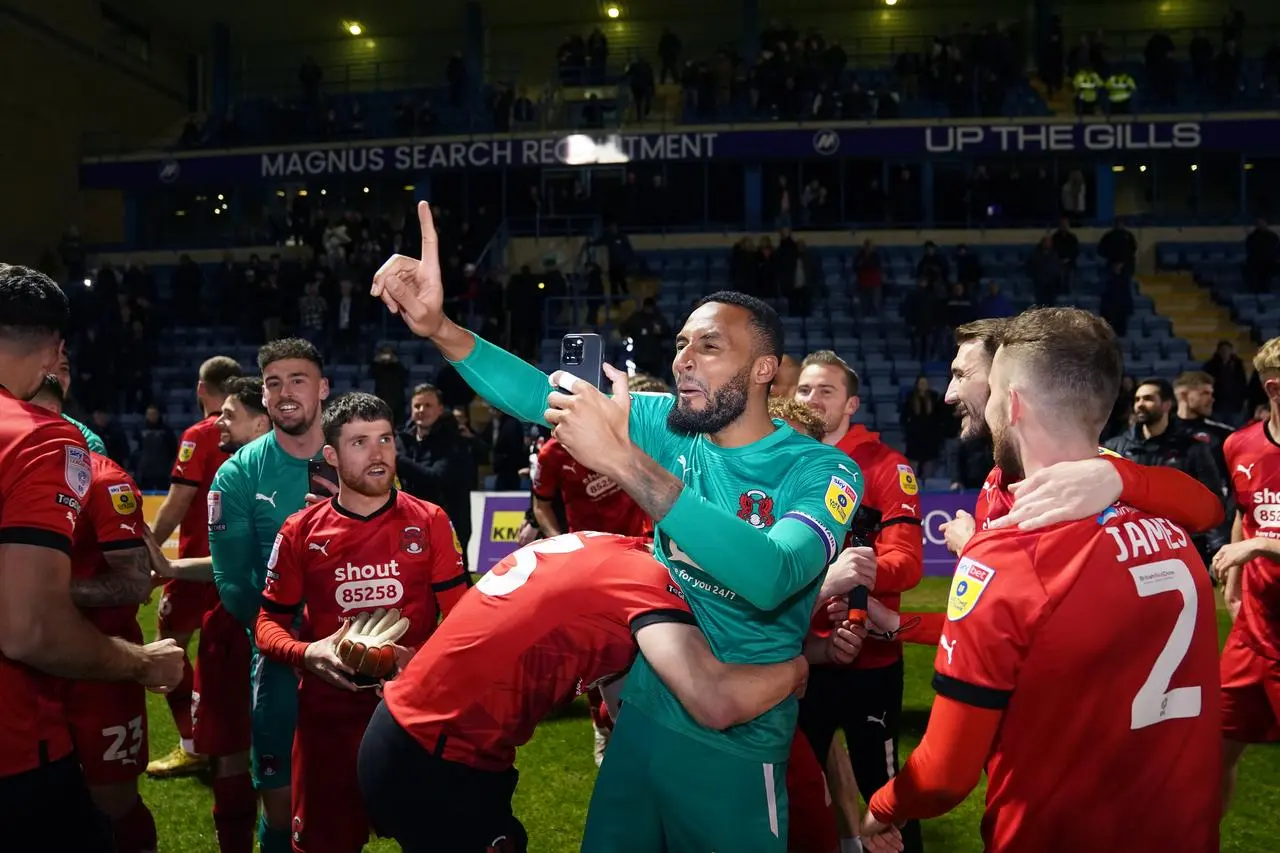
(1087, 83)
(1120, 88)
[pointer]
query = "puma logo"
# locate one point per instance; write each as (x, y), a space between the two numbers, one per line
(323, 549)
(1247, 470)
(909, 508)
(271, 500)
(685, 473)
(132, 528)
(948, 646)
(570, 468)
(880, 719)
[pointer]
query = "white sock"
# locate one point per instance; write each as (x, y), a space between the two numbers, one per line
(189, 747)
(850, 845)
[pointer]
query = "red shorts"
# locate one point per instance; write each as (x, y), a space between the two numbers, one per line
(1250, 691)
(811, 822)
(328, 808)
(108, 721)
(183, 605)
(221, 718)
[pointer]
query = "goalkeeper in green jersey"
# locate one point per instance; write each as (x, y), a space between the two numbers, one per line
(748, 513)
(252, 494)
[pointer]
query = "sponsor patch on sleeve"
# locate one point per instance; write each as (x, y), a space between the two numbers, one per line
(123, 500)
(275, 553)
(967, 585)
(77, 471)
(457, 543)
(68, 501)
(841, 499)
(214, 504)
(907, 480)
(829, 541)
(186, 451)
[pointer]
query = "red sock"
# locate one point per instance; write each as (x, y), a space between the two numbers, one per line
(180, 701)
(136, 831)
(235, 813)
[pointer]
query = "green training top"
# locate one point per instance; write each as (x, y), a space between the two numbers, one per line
(252, 494)
(748, 540)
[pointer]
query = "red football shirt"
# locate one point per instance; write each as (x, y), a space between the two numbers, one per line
(888, 520)
(338, 564)
(1253, 460)
(45, 474)
(1098, 640)
(111, 520)
(591, 501)
(540, 627)
(199, 457)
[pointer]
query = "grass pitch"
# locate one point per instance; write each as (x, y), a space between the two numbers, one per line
(557, 771)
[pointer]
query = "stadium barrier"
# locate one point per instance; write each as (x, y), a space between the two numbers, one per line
(496, 518)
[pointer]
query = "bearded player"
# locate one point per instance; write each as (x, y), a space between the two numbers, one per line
(591, 501)
(183, 604)
(369, 547)
(1250, 567)
(1141, 679)
(220, 717)
(110, 578)
(751, 574)
(1064, 492)
(253, 493)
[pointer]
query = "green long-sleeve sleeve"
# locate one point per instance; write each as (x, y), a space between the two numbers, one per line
(233, 545)
(506, 381)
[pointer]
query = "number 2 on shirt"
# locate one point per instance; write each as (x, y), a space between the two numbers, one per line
(1155, 702)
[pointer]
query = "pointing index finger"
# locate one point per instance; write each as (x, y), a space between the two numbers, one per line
(430, 244)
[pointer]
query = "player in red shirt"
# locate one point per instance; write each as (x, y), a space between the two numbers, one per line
(183, 603)
(220, 717)
(885, 551)
(1065, 492)
(110, 578)
(1114, 614)
(371, 546)
(45, 474)
(1250, 666)
(543, 625)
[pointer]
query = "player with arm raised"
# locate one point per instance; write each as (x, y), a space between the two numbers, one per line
(369, 547)
(1142, 679)
(253, 493)
(748, 515)
(45, 474)
(110, 578)
(183, 604)
(1250, 567)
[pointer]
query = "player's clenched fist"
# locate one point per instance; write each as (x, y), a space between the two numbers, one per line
(163, 666)
(411, 287)
(368, 646)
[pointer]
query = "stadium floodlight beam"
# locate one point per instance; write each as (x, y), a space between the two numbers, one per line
(612, 11)
(353, 27)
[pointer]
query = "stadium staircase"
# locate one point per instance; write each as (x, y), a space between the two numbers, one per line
(1060, 104)
(1196, 317)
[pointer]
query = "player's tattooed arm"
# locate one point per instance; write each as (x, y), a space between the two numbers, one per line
(650, 485)
(127, 582)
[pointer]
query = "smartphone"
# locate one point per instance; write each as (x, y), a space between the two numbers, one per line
(318, 471)
(582, 355)
(858, 605)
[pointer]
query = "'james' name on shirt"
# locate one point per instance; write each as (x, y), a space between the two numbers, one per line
(1142, 537)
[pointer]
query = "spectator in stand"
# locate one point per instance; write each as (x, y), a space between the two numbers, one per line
(1261, 257)
(921, 419)
(766, 278)
(390, 377)
(868, 269)
(1162, 70)
(1117, 298)
(1045, 270)
(958, 309)
(650, 336)
(1122, 412)
(1229, 386)
(157, 448)
(621, 257)
(435, 461)
(934, 266)
(994, 303)
(113, 437)
(312, 313)
(1119, 246)
(920, 312)
(968, 268)
(510, 451)
(346, 319)
(639, 75)
(270, 306)
(1067, 247)
(669, 55)
(1074, 198)
(597, 56)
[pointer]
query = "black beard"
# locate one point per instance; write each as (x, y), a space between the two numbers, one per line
(724, 407)
(300, 429)
(1006, 457)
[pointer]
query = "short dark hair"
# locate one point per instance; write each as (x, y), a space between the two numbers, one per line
(987, 332)
(31, 304)
(273, 351)
(348, 408)
(827, 358)
(217, 371)
(427, 388)
(248, 391)
(50, 387)
(765, 321)
(1163, 387)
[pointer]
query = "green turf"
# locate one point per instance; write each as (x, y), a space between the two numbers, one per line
(556, 772)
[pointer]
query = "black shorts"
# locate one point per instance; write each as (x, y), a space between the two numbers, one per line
(49, 808)
(430, 805)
